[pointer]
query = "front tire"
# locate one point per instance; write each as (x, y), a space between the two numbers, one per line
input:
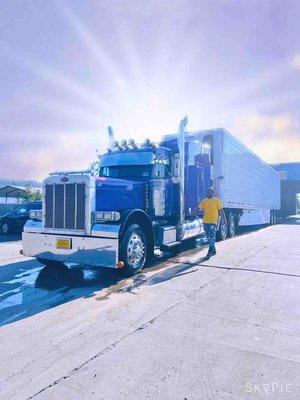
(133, 251)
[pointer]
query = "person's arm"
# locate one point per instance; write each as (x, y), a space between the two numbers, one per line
(198, 207)
(222, 213)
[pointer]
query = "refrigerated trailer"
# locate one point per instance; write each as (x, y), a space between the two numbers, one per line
(143, 196)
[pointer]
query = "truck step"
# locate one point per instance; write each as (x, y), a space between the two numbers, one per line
(172, 244)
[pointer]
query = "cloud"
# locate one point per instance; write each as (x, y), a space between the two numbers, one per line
(50, 152)
(295, 62)
(274, 138)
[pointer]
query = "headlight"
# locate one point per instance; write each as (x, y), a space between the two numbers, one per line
(35, 214)
(100, 216)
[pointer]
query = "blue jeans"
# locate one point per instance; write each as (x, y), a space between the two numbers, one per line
(210, 231)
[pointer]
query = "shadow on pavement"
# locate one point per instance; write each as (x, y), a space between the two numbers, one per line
(27, 288)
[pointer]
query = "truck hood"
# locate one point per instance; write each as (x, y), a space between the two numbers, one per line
(119, 194)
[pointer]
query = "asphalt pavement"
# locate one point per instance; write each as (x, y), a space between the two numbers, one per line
(184, 328)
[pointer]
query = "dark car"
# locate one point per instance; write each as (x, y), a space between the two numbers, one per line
(15, 221)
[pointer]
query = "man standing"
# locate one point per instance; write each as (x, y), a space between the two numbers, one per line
(212, 208)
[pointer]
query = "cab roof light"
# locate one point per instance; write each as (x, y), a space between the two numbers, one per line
(124, 144)
(148, 143)
(132, 143)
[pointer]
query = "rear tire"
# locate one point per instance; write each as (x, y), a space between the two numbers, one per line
(133, 250)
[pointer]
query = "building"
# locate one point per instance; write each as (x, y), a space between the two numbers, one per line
(290, 187)
(10, 198)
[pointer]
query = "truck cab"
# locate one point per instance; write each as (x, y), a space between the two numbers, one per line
(116, 217)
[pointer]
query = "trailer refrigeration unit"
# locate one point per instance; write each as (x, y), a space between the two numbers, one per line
(143, 198)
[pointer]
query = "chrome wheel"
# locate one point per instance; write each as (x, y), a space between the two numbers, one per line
(136, 250)
(5, 228)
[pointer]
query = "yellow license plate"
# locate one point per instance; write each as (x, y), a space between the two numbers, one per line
(64, 244)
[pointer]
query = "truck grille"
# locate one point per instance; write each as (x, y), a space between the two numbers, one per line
(65, 206)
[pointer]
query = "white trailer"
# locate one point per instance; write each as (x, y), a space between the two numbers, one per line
(248, 187)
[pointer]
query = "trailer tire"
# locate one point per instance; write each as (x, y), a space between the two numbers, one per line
(133, 250)
(231, 222)
(222, 229)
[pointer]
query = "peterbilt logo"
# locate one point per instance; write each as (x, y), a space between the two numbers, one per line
(65, 179)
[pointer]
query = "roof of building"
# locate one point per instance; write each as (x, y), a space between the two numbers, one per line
(296, 163)
(11, 191)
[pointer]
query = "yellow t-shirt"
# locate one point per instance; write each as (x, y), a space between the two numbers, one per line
(211, 209)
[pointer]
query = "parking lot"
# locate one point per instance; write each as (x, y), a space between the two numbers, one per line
(224, 328)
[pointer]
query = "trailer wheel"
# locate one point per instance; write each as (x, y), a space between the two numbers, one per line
(133, 251)
(222, 230)
(231, 225)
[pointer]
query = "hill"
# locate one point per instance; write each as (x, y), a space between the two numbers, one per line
(20, 183)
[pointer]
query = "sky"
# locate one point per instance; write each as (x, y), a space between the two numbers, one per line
(70, 68)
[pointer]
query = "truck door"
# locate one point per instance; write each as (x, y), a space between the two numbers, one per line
(197, 182)
(203, 176)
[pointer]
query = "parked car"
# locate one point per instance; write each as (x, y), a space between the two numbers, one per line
(14, 221)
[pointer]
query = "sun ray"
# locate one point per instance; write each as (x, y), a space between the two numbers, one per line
(92, 44)
(55, 77)
(130, 52)
(87, 117)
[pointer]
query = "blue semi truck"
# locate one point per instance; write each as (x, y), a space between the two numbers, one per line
(143, 196)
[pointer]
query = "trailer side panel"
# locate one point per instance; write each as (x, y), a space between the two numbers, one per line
(248, 182)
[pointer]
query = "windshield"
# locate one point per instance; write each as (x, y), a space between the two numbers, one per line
(127, 171)
(21, 210)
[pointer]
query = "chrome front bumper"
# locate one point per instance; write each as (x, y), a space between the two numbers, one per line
(93, 251)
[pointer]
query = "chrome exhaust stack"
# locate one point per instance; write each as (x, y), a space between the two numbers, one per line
(192, 228)
(111, 137)
(181, 148)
